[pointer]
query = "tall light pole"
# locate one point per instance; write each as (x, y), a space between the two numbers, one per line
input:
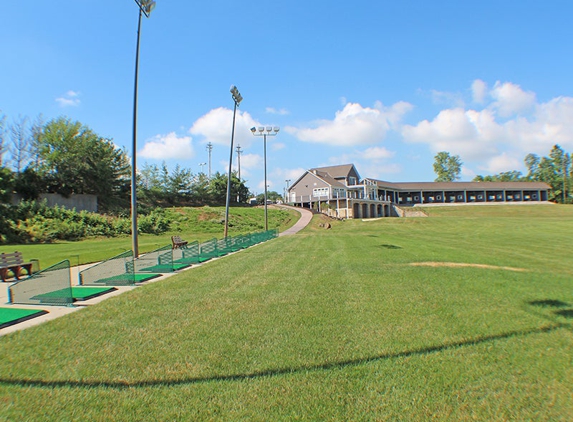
(239, 151)
(145, 8)
(237, 98)
(202, 165)
(210, 149)
(264, 132)
(287, 181)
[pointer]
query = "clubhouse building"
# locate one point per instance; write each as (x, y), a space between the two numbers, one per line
(348, 196)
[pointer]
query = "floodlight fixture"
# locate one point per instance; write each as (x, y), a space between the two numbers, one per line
(237, 97)
(270, 131)
(146, 6)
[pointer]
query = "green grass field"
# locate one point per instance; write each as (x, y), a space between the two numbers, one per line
(464, 315)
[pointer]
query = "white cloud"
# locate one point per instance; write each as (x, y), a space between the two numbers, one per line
(280, 112)
(354, 125)
(511, 99)
(466, 133)
(250, 162)
(501, 163)
(377, 153)
(497, 137)
(164, 147)
(442, 97)
(479, 91)
(215, 127)
(69, 99)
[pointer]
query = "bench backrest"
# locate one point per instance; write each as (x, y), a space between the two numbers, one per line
(14, 258)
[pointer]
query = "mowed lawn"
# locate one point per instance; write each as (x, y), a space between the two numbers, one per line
(464, 315)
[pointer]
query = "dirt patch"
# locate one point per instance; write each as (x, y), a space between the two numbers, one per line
(462, 264)
(207, 216)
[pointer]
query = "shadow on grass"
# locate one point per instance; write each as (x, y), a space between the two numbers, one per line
(278, 371)
(549, 303)
(390, 246)
(567, 313)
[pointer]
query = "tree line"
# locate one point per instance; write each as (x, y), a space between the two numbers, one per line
(66, 157)
(554, 169)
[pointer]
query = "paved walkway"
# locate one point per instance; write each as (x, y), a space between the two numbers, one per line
(58, 311)
(305, 217)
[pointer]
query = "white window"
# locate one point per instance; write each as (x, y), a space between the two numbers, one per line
(351, 180)
(319, 192)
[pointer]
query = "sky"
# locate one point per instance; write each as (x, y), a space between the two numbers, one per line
(384, 85)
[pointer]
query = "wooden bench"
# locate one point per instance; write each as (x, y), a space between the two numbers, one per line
(13, 262)
(178, 242)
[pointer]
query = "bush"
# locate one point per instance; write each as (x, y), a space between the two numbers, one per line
(155, 222)
(33, 221)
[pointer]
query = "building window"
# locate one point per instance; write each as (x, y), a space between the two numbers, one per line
(351, 180)
(320, 192)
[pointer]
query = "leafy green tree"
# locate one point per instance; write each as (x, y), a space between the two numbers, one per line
(447, 167)
(200, 190)
(271, 196)
(74, 159)
(6, 184)
(555, 170)
(218, 189)
(506, 176)
(29, 184)
(2, 138)
(532, 164)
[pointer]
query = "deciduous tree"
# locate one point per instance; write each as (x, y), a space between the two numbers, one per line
(447, 167)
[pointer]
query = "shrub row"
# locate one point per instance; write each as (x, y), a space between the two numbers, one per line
(34, 221)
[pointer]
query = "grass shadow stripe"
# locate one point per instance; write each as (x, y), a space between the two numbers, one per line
(279, 371)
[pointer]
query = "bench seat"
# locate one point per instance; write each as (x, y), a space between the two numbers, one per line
(178, 242)
(14, 263)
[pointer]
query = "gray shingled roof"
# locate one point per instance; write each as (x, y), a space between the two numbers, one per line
(451, 186)
(327, 178)
(337, 171)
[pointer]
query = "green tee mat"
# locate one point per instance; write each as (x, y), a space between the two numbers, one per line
(78, 293)
(11, 316)
(126, 279)
(165, 268)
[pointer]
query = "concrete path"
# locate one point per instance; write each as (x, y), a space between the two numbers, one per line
(304, 220)
(58, 311)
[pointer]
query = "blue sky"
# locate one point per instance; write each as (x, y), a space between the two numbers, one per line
(384, 85)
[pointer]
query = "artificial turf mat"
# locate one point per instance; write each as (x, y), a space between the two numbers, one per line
(85, 293)
(78, 293)
(191, 260)
(165, 268)
(125, 279)
(11, 316)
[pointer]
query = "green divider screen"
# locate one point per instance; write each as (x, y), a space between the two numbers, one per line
(188, 255)
(208, 249)
(51, 286)
(158, 261)
(224, 246)
(116, 271)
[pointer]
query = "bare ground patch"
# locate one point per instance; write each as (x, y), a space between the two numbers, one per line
(463, 264)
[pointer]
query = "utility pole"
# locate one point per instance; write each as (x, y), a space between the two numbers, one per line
(209, 148)
(239, 160)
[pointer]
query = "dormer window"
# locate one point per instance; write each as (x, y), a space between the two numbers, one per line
(351, 180)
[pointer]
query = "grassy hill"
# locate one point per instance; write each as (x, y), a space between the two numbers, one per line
(200, 224)
(464, 315)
